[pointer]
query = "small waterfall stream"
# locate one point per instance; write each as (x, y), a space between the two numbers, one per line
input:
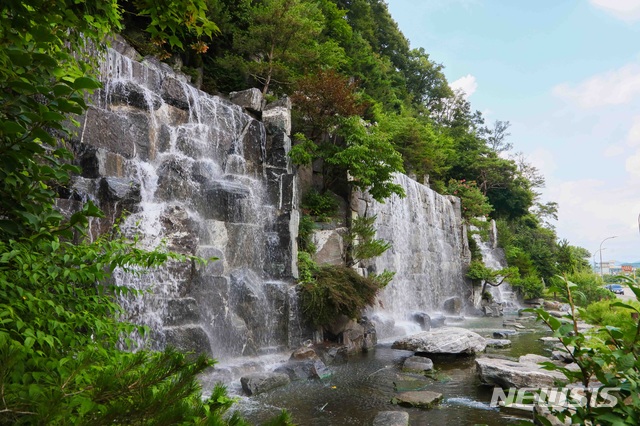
(494, 258)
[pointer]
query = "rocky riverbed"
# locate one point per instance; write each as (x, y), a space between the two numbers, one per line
(361, 387)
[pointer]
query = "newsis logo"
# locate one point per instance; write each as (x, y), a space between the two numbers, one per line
(557, 398)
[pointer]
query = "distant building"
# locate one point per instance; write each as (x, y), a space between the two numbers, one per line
(608, 268)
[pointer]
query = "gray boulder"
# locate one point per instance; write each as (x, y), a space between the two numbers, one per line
(419, 399)
(257, 383)
(391, 418)
(417, 363)
(511, 374)
(453, 305)
(445, 340)
(503, 334)
(498, 343)
(250, 99)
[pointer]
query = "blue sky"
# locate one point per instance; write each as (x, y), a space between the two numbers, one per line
(566, 74)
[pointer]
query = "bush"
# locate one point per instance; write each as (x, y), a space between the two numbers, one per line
(474, 203)
(529, 286)
(335, 291)
(305, 231)
(608, 313)
(362, 242)
(322, 206)
(588, 288)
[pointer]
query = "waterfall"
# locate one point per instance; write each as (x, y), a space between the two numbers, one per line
(192, 172)
(494, 258)
(429, 252)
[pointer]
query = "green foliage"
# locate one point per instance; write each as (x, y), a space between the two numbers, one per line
(368, 158)
(322, 206)
(608, 363)
(478, 272)
(607, 313)
(307, 267)
(40, 84)
(529, 286)
(572, 259)
(474, 203)
(305, 231)
(282, 36)
(335, 291)
(61, 343)
(171, 22)
(588, 288)
(362, 242)
(425, 151)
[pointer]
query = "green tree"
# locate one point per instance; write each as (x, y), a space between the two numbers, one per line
(346, 144)
(281, 33)
(572, 259)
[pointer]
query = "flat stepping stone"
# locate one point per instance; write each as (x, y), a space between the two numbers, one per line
(419, 399)
(391, 418)
(498, 343)
(503, 334)
(446, 340)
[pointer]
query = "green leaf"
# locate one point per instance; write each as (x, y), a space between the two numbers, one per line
(12, 128)
(19, 57)
(62, 89)
(86, 83)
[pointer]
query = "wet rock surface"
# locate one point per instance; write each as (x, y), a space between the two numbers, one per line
(445, 340)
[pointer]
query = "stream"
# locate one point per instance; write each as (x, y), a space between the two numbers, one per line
(362, 387)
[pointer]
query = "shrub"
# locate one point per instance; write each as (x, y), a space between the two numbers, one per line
(529, 286)
(588, 288)
(335, 291)
(474, 202)
(362, 242)
(322, 206)
(305, 231)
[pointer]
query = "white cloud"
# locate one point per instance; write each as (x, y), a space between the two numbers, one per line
(467, 84)
(614, 150)
(633, 136)
(615, 87)
(626, 10)
(632, 165)
(586, 216)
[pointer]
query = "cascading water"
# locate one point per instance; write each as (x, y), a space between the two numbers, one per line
(494, 258)
(192, 172)
(428, 255)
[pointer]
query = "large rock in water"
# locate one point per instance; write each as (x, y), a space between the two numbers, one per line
(511, 374)
(256, 383)
(420, 399)
(445, 340)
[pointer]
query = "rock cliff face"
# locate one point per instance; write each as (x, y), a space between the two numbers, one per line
(203, 176)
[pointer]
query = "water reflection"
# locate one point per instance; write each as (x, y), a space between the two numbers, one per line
(364, 386)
